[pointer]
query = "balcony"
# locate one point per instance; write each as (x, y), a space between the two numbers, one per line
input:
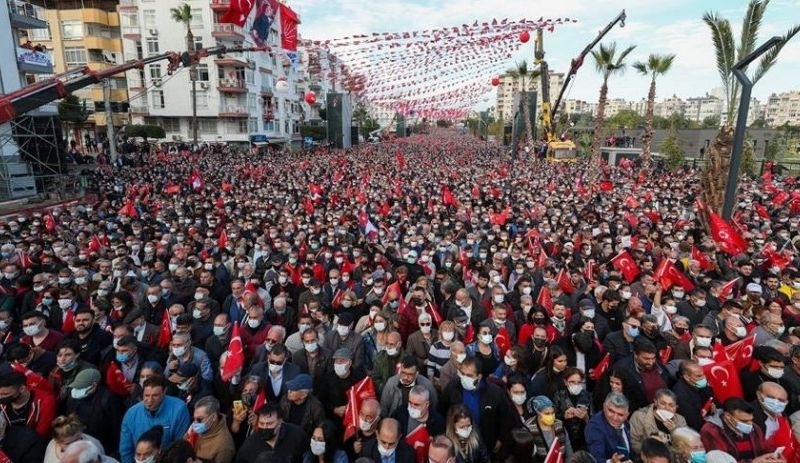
(131, 32)
(102, 43)
(233, 111)
(139, 110)
(135, 84)
(234, 61)
(128, 5)
(232, 86)
(34, 62)
(228, 32)
(24, 15)
(220, 5)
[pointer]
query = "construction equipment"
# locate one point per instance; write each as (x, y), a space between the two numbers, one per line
(562, 148)
(41, 93)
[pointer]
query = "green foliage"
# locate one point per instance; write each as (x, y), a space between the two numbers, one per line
(672, 152)
(145, 131)
(72, 110)
(443, 123)
(776, 149)
(584, 144)
(711, 122)
(315, 132)
(608, 62)
(364, 120)
(625, 118)
(655, 65)
(323, 114)
(759, 123)
(748, 166)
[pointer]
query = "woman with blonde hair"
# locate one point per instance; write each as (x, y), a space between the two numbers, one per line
(469, 446)
(66, 430)
(439, 353)
(687, 446)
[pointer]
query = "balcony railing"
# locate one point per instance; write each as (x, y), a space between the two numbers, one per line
(127, 3)
(23, 8)
(131, 30)
(220, 4)
(233, 111)
(228, 30)
(139, 109)
(232, 85)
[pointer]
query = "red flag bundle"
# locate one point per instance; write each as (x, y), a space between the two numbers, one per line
(588, 271)
(545, 300)
(702, 258)
(419, 439)
(128, 209)
(723, 378)
(234, 361)
(223, 240)
(667, 275)
(164, 332)
(503, 341)
(625, 264)
(362, 390)
(727, 289)
(116, 381)
(718, 352)
(665, 354)
(556, 452)
(725, 236)
(564, 282)
(741, 352)
(49, 222)
(601, 367)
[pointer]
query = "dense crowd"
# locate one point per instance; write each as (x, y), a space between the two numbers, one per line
(421, 300)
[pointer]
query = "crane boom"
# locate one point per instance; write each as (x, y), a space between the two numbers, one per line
(39, 94)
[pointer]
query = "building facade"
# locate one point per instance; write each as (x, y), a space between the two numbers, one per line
(783, 108)
(236, 95)
(510, 86)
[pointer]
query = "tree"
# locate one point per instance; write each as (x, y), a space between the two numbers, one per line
(714, 176)
(748, 166)
(626, 118)
(671, 150)
(776, 148)
(759, 123)
(523, 73)
(183, 15)
(608, 63)
(656, 65)
(72, 111)
(711, 122)
(584, 143)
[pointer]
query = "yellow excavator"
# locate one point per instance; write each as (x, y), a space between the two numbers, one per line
(562, 149)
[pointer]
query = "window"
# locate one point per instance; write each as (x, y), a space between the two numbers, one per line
(198, 43)
(207, 125)
(202, 99)
(130, 19)
(36, 35)
(152, 46)
(197, 18)
(74, 56)
(251, 103)
(249, 76)
(252, 125)
(202, 73)
(71, 30)
(157, 99)
(243, 124)
(171, 124)
(139, 49)
(149, 19)
(155, 71)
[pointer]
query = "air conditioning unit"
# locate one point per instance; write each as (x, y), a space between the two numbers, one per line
(154, 32)
(251, 64)
(204, 85)
(157, 82)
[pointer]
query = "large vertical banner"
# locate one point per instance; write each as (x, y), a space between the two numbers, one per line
(339, 112)
(289, 22)
(262, 21)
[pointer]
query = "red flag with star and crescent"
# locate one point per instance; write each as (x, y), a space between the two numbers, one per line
(723, 378)
(362, 390)
(419, 439)
(667, 274)
(164, 331)
(626, 265)
(234, 362)
(741, 352)
(556, 452)
(728, 239)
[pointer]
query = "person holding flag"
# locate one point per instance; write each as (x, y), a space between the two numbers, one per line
(549, 435)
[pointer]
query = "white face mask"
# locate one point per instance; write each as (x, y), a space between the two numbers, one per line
(414, 413)
(665, 415)
(575, 389)
(464, 433)
(253, 323)
(425, 329)
(448, 335)
(703, 361)
(460, 357)
(32, 330)
(385, 452)
(317, 447)
(518, 399)
(486, 338)
(365, 425)
(342, 330)
(150, 459)
(741, 331)
(775, 373)
(220, 330)
(380, 326)
(340, 369)
(65, 303)
(151, 298)
(671, 309)
(510, 361)
(468, 383)
(311, 346)
(703, 341)
(179, 351)
(391, 351)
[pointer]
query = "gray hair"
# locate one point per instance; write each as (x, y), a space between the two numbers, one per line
(186, 337)
(718, 456)
(278, 329)
(421, 391)
(664, 392)
(615, 399)
(82, 451)
(683, 436)
(210, 403)
(424, 317)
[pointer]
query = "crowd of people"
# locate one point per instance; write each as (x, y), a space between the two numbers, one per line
(425, 299)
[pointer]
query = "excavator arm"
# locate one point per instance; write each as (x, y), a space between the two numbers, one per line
(41, 93)
(544, 70)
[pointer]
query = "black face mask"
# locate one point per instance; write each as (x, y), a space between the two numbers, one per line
(269, 434)
(538, 342)
(583, 341)
(9, 400)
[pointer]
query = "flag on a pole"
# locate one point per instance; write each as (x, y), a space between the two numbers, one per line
(556, 452)
(626, 265)
(234, 361)
(237, 13)
(356, 394)
(165, 331)
(725, 236)
(741, 352)
(601, 367)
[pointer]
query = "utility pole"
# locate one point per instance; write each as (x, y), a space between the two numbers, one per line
(112, 138)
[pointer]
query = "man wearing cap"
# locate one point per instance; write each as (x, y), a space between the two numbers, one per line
(91, 340)
(345, 337)
(337, 381)
(145, 333)
(588, 309)
(300, 406)
(185, 384)
(98, 409)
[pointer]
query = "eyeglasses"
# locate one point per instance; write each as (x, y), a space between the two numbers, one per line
(424, 324)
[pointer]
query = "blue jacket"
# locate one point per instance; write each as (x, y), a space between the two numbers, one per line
(602, 440)
(172, 415)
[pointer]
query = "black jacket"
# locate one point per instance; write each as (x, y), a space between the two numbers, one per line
(616, 345)
(435, 424)
(690, 402)
(102, 414)
(403, 452)
(22, 445)
(292, 443)
(496, 413)
(92, 346)
(633, 384)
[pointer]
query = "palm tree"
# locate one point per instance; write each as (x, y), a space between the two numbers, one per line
(714, 175)
(183, 15)
(524, 74)
(607, 63)
(656, 65)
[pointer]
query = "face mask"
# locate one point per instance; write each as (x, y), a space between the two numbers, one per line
(741, 331)
(199, 428)
(671, 309)
(80, 280)
(4, 324)
(365, 425)
(317, 447)
(665, 415)
(63, 280)
(253, 323)
(385, 452)
(315, 291)
(342, 330)
(703, 361)
(151, 298)
(460, 357)
(518, 399)
(38, 288)
(588, 313)
(65, 303)
(499, 298)
(632, 331)
(102, 292)
(626, 295)
(275, 369)
(448, 335)
(464, 433)
(575, 389)
(697, 456)
(377, 290)
(486, 338)
(32, 330)
(510, 361)
(468, 383)
(150, 459)
(123, 357)
(311, 346)
(700, 303)
(79, 394)
(340, 369)
(744, 428)
(184, 386)
(775, 373)
(220, 330)
(547, 420)
(197, 314)
(774, 406)
(678, 294)
(703, 341)
(414, 413)
(179, 351)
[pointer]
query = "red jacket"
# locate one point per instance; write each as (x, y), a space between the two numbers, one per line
(41, 412)
(252, 341)
(715, 437)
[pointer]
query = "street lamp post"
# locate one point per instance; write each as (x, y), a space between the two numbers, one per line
(741, 123)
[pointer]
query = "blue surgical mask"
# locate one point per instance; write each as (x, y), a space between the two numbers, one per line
(47, 301)
(633, 331)
(697, 456)
(744, 428)
(701, 383)
(199, 428)
(774, 406)
(123, 357)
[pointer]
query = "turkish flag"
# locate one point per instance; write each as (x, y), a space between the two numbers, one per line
(556, 452)
(588, 271)
(172, 189)
(725, 236)
(667, 274)
(631, 202)
(718, 352)
(165, 331)
(419, 439)
(33, 381)
(223, 240)
(762, 211)
(469, 333)
(741, 352)
(606, 186)
(49, 222)
(564, 282)
(69, 322)
(601, 367)
(227, 187)
(727, 289)
(220, 203)
(237, 12)
(234, 362)
(545, 300)
(128, 209)
(665, 354)
(780, 198)
(502, 341)
(705, 262)
(94, 244)
(356, 394)
(447, 197)
(24, 259)
(723, 378)
(400, 159)
(542, 259)
(626, 265)
(115, 380)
